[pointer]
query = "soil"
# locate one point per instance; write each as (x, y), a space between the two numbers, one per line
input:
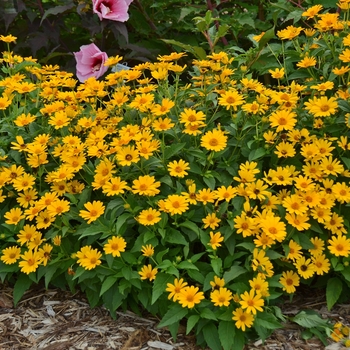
(58, 320)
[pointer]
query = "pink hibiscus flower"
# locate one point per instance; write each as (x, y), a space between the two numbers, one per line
(90, 62)
(115, 10)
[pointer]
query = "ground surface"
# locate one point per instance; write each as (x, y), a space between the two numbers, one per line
(57, 320)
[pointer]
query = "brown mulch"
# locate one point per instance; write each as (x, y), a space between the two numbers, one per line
(58, 320)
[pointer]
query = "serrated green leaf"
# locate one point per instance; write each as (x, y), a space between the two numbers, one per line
(211, 336)
(233, 273)
(174, 314)
(216, 264)
(309, 319)
(225, 334)
(333, 291)
(187, 265)
(208, 314)
(107, 283)
(21, 286)
(191, 322)
(159, 285)
(173, 150)
(192, 226)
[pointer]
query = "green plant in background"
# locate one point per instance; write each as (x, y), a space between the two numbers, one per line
(194, 192)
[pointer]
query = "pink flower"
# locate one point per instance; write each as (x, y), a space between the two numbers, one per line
(90, 62)
(115, 10)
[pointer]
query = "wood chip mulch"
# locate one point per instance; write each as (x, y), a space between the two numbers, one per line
(57, 320)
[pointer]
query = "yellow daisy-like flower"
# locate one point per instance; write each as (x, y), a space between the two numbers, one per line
(221, 297)
(190, 296)
(243, 319)
(307, 62)
(178, 168)
(176, 288)
(176, 204)
(215, 240)
(14, 216)
(214, 140)
(283, 120)
(10, 255)
(89, 258)
(252, 301)
(8, 38)
(231, 99)
(146, 186)
(115, 246)
(339, 245)
(30, 261)
(93, 212)
(127, 155)
(147, 250)
(305, 267)
(289, 281)
(149, 217)
(211, 220)
(148, 272)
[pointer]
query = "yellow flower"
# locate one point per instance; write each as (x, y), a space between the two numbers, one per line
(211, 221)
(115, 246)
(148, 272)
(214, 140)
(215, 240)
(307, 62)
(252, 301)
(10, 255)
(14, 216)
(243, 319)
(217, 283)
(289, 281)
(178, 168)
(93, 212)
(176, 204)
(289, 33)
(305, 267)
(321, 263)
(190, 296)
(88, 258)
(221, 297)
(230, 99)
(146, 186)
(277, 73)
(8, 38)
(127, 155)
(191, 117)
(46, 253)
(114, 186)
(147, 250)
(339, 245)
(176, 288)
(312, 11)
(30, 261)
(283, 120)
(149, 217)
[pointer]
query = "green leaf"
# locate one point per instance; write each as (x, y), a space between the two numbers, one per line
(121, 221)
(267, 320)
(309, 319)
(269, 34)
(187, 265)
(173, 150)
(225, 334)
(256, 153)
(174, 314)
(56, 10)
(192, 226)
(191, 322)
(211, 336)
(107, 283)
(175, 237)
(208, 314)
(159, 285)
(216, 264)
(21, 286)
(233, 273)
(333, 291)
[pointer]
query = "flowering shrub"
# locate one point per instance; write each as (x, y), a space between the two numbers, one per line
(204, 203)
